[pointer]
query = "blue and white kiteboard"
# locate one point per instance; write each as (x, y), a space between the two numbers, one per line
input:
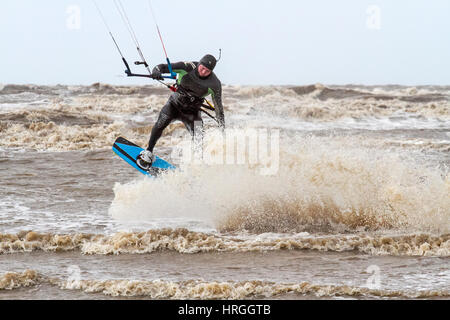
(129, 152)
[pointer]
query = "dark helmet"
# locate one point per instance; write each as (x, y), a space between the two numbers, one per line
(209, 62)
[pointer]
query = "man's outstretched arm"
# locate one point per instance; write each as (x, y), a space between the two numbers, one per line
(177, 67)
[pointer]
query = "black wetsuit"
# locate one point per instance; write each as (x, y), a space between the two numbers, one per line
(185, 104)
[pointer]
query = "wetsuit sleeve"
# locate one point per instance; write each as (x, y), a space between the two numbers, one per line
(217, 99)
(178, 67)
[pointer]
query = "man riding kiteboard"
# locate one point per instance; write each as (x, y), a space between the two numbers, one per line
(195, 81)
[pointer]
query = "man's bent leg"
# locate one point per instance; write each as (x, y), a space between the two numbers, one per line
(166, 116)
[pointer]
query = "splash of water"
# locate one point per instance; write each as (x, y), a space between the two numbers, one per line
(321, 186)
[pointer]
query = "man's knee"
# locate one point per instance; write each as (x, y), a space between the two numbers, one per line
(163, 121)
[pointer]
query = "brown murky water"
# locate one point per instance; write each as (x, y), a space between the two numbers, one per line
(359, 206)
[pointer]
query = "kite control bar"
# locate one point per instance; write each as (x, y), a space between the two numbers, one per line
(129, 73)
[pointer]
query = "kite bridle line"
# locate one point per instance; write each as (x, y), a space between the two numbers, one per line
(173, 75)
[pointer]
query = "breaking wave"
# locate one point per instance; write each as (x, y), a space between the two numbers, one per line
(96, 88)
(13, 280)
(63, 131)
(320, 103)
(197, 289)
(233, 290)
(79, 118)
(189, 242)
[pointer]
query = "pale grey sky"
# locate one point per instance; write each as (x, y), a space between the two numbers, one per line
(264, 42)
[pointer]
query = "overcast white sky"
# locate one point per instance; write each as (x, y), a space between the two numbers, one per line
(264, 42)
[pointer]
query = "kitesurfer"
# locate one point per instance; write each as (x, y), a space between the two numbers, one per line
(196, 80)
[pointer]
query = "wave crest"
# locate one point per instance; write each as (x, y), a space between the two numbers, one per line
(198, 289)
(233, 290)
(13, 280)
(189, 242)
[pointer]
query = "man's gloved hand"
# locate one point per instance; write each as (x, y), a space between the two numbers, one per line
(156, 74)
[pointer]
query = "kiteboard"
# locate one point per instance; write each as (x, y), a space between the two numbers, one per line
(129, 152)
